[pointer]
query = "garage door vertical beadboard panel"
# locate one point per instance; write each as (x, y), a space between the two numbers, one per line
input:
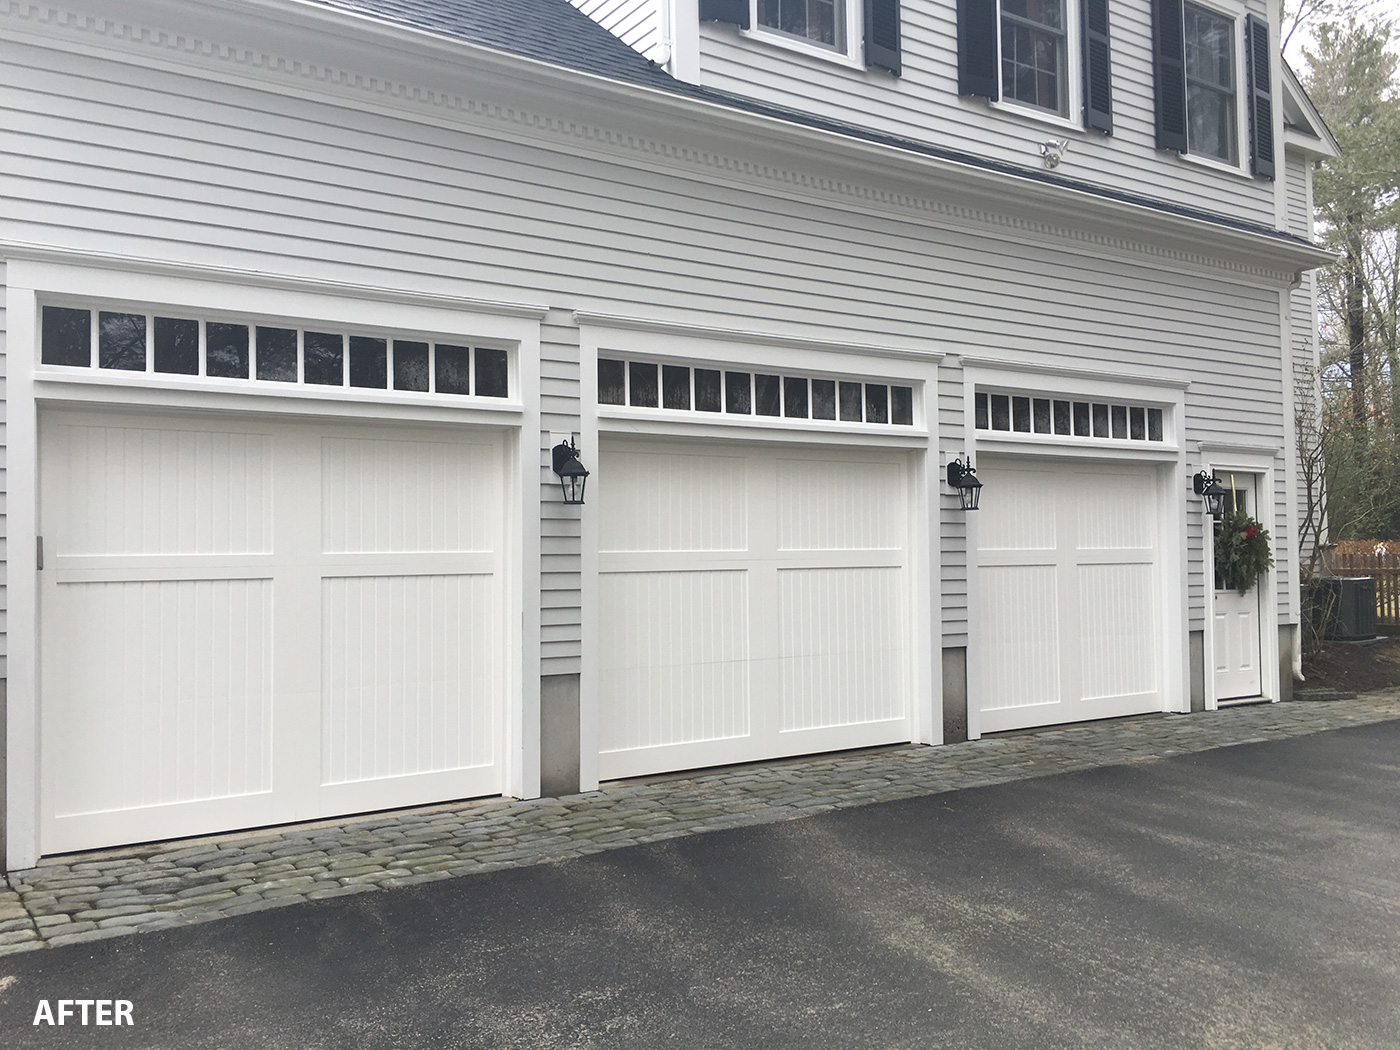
(1118, 634)
(172, 699)
(839, 506)
(410, 675)
(674, 658)
(843, 651)
(396, 497)
(1024, 517)
(1019, 607)
(153, 491)
(652, 506)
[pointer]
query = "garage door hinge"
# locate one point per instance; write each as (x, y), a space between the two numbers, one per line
(39, 552)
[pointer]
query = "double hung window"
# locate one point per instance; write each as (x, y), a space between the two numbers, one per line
(1035, 54)
(1211, 87)
(820, 22)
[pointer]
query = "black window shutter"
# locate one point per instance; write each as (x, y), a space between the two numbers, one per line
(735, 12)
(1169, 73)
(882, 35)
(1259, 55)
(977, 48)
(1098, 67)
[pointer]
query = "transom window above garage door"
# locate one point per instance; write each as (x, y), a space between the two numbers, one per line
(691, 389)
(175, 345)
(1060, 416)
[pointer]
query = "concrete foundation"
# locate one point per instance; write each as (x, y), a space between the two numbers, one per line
(1287, 639)
(1197, 644)
(954, 695)
(559, 740)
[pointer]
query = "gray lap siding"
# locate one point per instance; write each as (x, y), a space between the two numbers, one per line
(163, 165)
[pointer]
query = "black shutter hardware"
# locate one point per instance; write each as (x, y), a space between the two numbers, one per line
(1098, 67)
(977, 49)
(735, 12)
(882, 35)
(1169, 73)
(1261, 96)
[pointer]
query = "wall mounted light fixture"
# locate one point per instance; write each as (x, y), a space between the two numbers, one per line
(1208, 487)
(572, 475)
(963, 477)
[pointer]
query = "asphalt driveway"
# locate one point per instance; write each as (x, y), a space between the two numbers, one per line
(1245, 897)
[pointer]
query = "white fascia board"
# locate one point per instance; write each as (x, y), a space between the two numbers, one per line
(542, 83)
(1297, 141)
(1317, 131)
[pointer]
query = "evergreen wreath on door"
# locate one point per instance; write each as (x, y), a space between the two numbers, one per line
(1242, 551)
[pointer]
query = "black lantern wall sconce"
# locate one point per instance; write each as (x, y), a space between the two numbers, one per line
(1208, 487)
(963, 477)
(572, 475)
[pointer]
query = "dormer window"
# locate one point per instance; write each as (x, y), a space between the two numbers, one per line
(1035, 54)
(820, 22)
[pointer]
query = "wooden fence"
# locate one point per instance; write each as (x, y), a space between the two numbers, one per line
(1379, 561)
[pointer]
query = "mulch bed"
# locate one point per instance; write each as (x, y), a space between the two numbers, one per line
(1355, 668)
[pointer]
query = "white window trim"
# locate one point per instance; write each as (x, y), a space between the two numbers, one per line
(88, 381)
(1236, 15)
(851, 57)
(1074, 100)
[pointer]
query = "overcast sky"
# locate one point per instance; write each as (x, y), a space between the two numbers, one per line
(1390, 8)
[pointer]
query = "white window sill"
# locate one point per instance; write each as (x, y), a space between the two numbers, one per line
(1039, 116)
(801, 47)
(1217, 165)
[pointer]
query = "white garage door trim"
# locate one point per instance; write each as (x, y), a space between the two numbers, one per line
(1168, 457)
(915, 363)
(34, 275)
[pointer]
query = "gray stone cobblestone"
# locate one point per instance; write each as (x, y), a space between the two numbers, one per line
(85, 897)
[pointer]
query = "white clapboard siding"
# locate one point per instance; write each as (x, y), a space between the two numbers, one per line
(1297, 176)
(923, 104)
(952, 519)
(560, 613)
(637, 23)
(178, 168)
(1302, 301)
(4, 488)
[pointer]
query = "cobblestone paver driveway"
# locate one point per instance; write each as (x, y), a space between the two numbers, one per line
(108, 893)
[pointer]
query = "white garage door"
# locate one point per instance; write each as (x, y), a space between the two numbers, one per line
(753, 603)
(1069, 592)
(247, 622)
